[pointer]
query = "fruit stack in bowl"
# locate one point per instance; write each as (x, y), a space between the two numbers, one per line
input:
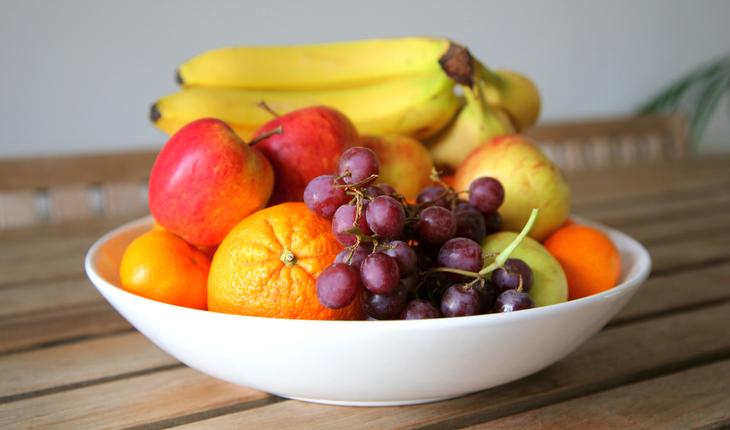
(350, 181)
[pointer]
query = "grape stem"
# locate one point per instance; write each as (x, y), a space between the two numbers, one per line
(500, 259)
(504, 255)
(456, 271)
(352, 187)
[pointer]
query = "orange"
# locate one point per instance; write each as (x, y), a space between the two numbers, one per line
(268, 265)
(163, 267)
(589, 259)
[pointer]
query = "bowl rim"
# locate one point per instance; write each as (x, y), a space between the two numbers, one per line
(642, 268)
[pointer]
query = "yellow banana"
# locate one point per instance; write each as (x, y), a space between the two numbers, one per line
(418, 106)
(307, 67)
(513, 92)
(475, 123)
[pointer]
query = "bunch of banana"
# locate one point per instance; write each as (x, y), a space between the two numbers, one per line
(386, 86)
(417, 106)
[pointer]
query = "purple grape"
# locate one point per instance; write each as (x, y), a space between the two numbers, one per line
(337, 286)
(409, 283)
(486, 194)
(426, 256)
(460, 253)
(436, 224)
(434, 195)
(459, 301)
(384, 307)
(323, 197)
(492, 222)
(435, 284)
(404, 255)
(344, 220)
(386, 189)
(513, 300)
(358, 164)
(487, 295)
(361, 251)
(469, 222)
(420, 309)
(380, 273)
(385, 216)
(514, 274)
(373, 191)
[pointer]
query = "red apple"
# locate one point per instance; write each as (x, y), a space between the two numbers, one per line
(309, 145)
(205, 180)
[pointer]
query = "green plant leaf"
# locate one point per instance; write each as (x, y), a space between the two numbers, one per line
(696, 95)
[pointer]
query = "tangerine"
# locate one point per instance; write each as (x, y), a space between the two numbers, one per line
(161, 266)
(589, 259)
(268, 265)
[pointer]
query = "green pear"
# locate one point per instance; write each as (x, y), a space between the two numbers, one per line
(549, 285)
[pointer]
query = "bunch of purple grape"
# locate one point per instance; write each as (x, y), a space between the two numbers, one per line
(413, 261)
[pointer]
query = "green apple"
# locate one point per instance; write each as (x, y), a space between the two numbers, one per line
(529, 178)
(549, 285)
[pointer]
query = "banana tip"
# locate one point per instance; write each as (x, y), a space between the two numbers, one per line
(154, 113)
(178, 77)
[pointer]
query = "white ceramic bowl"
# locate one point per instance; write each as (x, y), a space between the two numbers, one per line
(365, 363)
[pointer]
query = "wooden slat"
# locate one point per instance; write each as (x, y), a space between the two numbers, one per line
(611, 186)
(69, 203)
(664, 230)
(690, 399)
(42, 297)
(148, 398)
(685, 290)
(17, 208)
(621, 140)
(31, 373)
(677, 256)
(612, 358)
(29, 173)
(652, 210)
(60, 325)
(123, 198)
(587, 128)
(49, 252)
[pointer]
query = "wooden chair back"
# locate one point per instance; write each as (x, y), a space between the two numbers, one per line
(604, 143)
(53, 190)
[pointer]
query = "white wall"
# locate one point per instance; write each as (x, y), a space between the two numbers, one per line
(79, 76)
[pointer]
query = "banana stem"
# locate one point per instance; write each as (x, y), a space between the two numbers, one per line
(488, 76)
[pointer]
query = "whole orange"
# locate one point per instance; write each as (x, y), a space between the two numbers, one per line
(268, 265)
(589, 259)
(163, 267)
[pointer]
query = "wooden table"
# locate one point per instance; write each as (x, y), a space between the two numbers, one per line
(68, 360)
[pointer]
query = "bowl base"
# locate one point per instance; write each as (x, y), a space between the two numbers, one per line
(371, 404)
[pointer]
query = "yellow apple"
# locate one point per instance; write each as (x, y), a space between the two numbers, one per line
(405, 163)
(529, 178)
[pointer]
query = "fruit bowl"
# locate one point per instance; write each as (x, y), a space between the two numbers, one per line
(365, 363)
